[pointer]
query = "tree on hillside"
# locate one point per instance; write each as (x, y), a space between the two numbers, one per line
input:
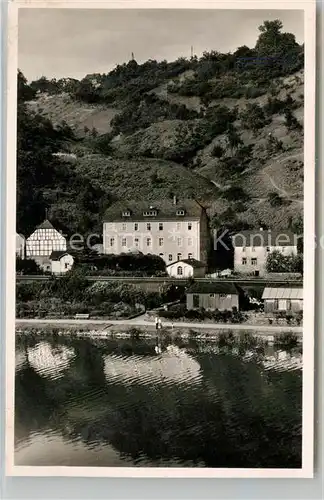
(272, 41)
(253, 117)
(279, 50)
(25, 92)
(291, 121)
(274, 199)
(233, 139)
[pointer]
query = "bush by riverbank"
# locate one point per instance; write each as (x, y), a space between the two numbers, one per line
(179, 312)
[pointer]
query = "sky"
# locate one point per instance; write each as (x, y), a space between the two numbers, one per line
(60, 43)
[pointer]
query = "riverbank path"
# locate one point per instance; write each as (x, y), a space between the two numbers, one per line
(140, 322)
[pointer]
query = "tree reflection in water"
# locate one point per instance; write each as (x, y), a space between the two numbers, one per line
(237, 411)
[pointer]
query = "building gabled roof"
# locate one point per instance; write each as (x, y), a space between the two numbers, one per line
(166, 210)
(264, 238)
(58, 254)
(46, 224)
(192, 262)
(274, 293)
(213, 287)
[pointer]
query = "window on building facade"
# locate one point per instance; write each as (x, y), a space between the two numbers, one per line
(180, 212)
(148, 226)
(124, 227)
(112, 242)
(189, 226)
(150, 213)
(244, 261)
(179, 240)
(254, 261)
(243, 249)
(161, 255)
(124, 242)
(195, 301)
(136, 242)
(178, 226)
(288, 305)
(179, 270)
(160, 226)
(170, 257)
(148, 242)
(253, 249)
(283, 249)
(66, 265)
(268, 249)
(135, 226)
(126, 213)
(179, 256)
(189, 255)
(222, 295)
(189, 242)
(160, 242)
(211, 295)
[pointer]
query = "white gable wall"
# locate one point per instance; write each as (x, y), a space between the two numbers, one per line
(63, 265)
(187, 270)
(43, 241)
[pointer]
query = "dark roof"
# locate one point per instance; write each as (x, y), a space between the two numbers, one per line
(192, 262)
(213, 287)
(166, 210)
(58, 254)
(45, 225)
(264, 238)
(21, 235)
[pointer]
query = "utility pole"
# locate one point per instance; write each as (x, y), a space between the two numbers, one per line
(133, 56)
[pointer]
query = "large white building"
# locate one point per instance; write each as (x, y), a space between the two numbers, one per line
(42, 242)
(252, 247)
(172, 229)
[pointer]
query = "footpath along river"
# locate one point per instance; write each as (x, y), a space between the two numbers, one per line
(115, 402)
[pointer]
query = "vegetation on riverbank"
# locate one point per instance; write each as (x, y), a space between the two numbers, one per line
(74, 294)
(224, 338)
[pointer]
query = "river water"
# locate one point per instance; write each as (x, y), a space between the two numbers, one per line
(95, 402)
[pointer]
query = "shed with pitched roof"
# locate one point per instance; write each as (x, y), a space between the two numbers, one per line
(212, 295)
(282, 299)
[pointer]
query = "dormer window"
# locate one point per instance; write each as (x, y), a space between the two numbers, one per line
(180, 212)
(126, 213)
(150, 213)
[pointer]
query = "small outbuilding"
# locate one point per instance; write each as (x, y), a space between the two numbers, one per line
(186, 268)
(61, 261)
(212, 296)
(283, 299)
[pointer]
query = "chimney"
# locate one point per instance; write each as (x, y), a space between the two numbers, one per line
(174, 200)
